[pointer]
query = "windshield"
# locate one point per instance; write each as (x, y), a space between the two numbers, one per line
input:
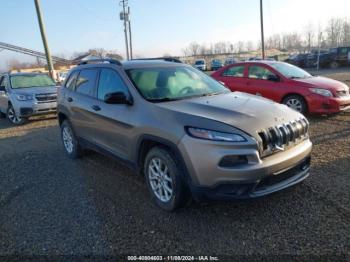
(290, 71)
(26, 81)
(173, 83)
(199, 62)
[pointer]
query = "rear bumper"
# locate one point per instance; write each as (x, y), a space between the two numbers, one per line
(320, 105)
(258, 188)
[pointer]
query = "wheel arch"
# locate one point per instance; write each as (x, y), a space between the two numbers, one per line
(147, 142)
(296, 94)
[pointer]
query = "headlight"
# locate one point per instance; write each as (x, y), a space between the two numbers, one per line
(321, 91)
(24, 97)
(214, 135)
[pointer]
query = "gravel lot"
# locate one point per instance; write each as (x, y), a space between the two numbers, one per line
(51, 205)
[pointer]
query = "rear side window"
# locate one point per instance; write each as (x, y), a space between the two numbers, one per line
(110, 82)
(235, 71)
(71, 81)
(86, 81)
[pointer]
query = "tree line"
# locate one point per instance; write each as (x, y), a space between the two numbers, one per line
(335, 33)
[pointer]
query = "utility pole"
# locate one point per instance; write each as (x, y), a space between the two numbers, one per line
(262, 30)
(43, 36)
(124, 17)
(130, 39)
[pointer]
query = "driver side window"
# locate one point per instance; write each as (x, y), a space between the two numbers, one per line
(110, 82)
(259, 72)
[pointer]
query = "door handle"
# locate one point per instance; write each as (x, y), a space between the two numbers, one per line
(96, 108)
(69, 99)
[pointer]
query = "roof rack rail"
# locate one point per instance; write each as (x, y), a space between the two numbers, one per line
(168, 59)
(102, 60)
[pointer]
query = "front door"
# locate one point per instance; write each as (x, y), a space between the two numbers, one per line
(233, 77)
(259, 82)
(113, 120)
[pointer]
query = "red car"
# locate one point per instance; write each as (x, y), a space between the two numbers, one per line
(287, 84)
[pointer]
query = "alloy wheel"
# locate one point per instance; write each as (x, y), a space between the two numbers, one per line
(67, 139)
(295, 104)
(160, 179)
(13, 117)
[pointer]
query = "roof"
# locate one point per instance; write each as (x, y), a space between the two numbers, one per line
(133, 64)
(25, 73)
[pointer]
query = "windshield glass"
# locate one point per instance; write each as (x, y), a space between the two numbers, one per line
(290, 71)
(199, 62)
(173, 83)
(26, 81)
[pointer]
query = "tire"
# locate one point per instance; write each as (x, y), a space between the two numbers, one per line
(13, 118)
(334, 65)
(164, 178)
(70, 141)
(297, 103)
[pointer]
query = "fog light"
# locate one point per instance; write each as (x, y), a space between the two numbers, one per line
(233, 161)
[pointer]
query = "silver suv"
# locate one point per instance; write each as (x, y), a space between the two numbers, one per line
(183, 131)
(23, 95)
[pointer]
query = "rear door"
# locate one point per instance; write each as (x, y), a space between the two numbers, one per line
(258, 83)
(80, 97)
(113, 120)
(234, 78)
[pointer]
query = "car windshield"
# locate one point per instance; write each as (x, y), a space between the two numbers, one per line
(290, 71)
(27, 81)
(199, 62)
(173, 83)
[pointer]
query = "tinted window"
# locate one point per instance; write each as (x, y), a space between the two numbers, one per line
(3, 81)
(86, 82)
(110, 82)
(235, 71)
(70, 84)
(259, 72)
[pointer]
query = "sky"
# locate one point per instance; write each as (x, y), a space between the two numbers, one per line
(158, 26)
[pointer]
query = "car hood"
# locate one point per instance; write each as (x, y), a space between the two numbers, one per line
(247, 112)
(323, 82)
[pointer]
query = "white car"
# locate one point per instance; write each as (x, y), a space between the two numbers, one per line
(200, 64)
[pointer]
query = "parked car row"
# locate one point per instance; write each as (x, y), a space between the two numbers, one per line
(215, 64)
(333, 58)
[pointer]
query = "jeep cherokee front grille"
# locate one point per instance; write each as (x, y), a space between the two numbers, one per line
(279, 137)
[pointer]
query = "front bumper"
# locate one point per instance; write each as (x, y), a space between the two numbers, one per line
(324, 105)
(258, 188)
(31, 108)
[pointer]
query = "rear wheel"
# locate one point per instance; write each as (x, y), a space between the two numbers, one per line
(296, 102)
(70, 141)
(164, 178)
(13, 118)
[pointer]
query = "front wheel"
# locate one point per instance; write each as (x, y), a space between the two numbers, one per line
(334, 65)
(164, 178)
(13, 118)
(296, 102)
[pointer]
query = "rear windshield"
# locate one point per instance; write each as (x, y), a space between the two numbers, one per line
(26, 81)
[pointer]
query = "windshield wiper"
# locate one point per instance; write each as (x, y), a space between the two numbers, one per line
(164, 99)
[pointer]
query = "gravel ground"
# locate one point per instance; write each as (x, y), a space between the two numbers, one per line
(51, 205)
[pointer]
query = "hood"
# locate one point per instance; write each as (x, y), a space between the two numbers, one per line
(36, 90)
(322, 82)
(247, 112)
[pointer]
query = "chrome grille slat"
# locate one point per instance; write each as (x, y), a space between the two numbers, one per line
(276, 138)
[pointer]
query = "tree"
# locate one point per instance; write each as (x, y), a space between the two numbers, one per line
(309, 36)
(334, 32)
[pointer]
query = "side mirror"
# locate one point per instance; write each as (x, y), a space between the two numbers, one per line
(273, 78)
(117, 98)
